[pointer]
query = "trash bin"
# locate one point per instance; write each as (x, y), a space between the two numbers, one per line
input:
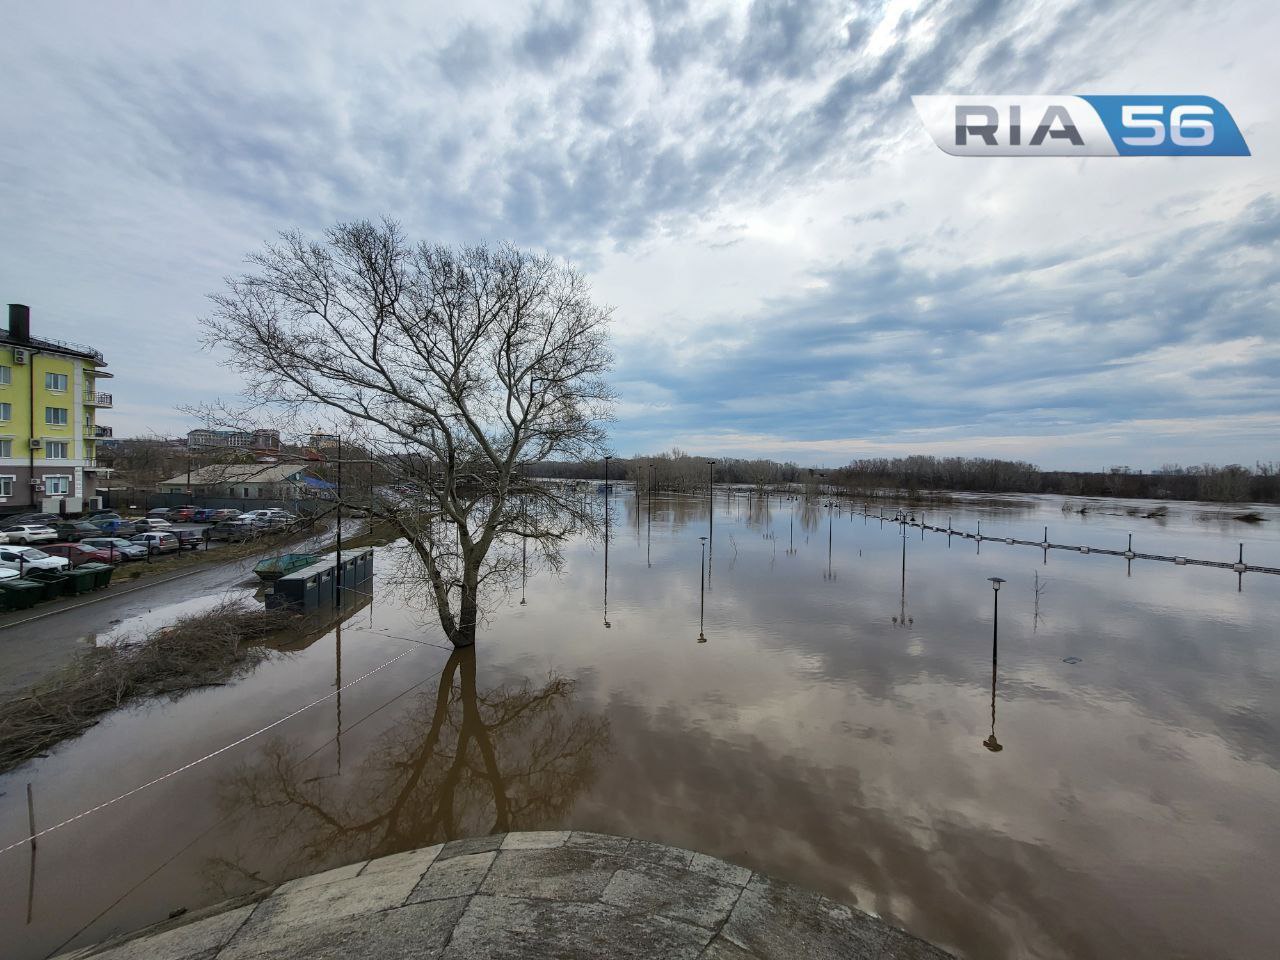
(49, 581)
(18, 594)
(78, 580)
(101, 573)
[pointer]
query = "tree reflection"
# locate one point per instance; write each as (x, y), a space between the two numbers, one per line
(463, 763)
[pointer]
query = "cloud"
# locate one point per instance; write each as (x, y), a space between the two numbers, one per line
(748, 186)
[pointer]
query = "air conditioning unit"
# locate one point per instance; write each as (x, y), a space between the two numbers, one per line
(20, 355)
(34, 443)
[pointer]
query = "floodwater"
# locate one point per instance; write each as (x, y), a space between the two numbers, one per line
(1101, 779)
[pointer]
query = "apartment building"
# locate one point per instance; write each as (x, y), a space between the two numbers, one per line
(49, 401)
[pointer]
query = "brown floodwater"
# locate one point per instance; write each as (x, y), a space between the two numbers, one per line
(1100, 780)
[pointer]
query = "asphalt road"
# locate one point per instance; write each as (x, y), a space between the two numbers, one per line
(29, 651)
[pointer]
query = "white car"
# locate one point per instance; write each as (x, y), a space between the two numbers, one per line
(30, 533)
(29, 558)
(7, 574)
(151, 523)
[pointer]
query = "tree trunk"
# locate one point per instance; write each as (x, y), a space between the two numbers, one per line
(464, 635)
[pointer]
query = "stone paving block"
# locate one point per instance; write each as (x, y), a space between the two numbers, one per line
(513, 928)
(599, 842)
(462, 848)
(455, 877)
(343, 898)
(671, 892)
(899, 945)
(199, 939)
(722, 949)
(535, 840)
(419, 931)
(409, 860)
(557, 873)
(775, 919)
(729, 873)
(344, 872)
(659, 853)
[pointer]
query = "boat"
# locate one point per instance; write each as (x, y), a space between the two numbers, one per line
(273, 568)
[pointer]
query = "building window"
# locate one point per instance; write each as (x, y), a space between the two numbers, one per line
(6, 375)
(6, 486)
(6, 411)
(55, 416)
(55, 381)
(6, 448)
(57, 450)
(57, 485)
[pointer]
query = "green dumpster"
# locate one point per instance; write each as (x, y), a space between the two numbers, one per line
(78, 581)
(101, 573)
(18, 594)
(49, 581)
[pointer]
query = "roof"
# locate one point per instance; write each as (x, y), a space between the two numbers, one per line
(55, 346)
(236, 473)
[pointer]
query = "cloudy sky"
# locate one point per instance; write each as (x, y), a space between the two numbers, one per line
(797, 270)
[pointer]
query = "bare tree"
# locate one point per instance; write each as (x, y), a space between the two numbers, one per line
(455, 368)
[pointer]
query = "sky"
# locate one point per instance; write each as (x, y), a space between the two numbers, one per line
(796, 270)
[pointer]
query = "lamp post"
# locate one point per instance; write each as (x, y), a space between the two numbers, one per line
(607, 624)
(991, 743)
(711, 489)
(338, 513)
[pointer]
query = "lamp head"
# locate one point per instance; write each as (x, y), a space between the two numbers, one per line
(995, 583)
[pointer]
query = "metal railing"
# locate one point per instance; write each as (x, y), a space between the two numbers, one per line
(97, 399)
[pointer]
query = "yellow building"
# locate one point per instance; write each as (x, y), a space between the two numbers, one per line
(49, 398)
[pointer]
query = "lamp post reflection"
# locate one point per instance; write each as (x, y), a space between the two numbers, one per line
(991, 743)
(702, 594)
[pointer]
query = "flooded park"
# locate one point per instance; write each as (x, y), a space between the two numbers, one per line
(1093, 770)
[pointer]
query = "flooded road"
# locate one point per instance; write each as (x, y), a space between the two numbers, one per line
(1101, 778)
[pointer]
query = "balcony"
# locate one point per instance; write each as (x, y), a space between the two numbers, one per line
(92, 399)
(96, 431)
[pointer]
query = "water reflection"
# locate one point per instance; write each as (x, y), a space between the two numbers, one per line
(820, 743)
(464, 762)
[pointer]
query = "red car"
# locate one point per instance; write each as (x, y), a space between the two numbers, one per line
(78, 553)
(181, 514)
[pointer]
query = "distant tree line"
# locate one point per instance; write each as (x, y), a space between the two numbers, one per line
(680, 472)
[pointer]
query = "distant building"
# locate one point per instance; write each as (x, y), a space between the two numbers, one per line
(49, 401)
(267, 441)
(241, 481)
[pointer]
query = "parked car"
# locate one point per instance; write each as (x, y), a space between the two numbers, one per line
(203, 515)
(76, 530)
(181, 514)
(117, 547)
(234, 530)
(144, 524)
(160, 513)
(224, 514)
(116, 528)
(29, 558)
(40, 519)
(95, 515)
(158, 542)
(78, 553)
(7, 574)
(30, 533)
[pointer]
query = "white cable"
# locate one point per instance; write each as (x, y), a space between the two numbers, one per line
(207, 756)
